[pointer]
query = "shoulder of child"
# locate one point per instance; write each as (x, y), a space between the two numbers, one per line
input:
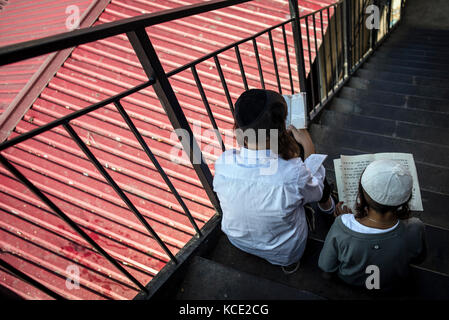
(413, 225)
(413, 222)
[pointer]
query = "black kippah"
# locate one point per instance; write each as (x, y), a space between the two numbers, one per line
(253, 106)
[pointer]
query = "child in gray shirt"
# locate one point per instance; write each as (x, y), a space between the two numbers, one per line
(380, 238)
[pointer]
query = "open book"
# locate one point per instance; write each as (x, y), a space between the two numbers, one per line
(348, 170)
(297, 111)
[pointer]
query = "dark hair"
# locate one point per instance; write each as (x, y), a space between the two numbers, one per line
(364, 202)
(255, 110)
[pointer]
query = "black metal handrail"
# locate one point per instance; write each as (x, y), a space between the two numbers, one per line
(319, 91)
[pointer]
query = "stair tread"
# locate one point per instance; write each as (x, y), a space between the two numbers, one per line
(387, 127)
(412, 64)
(394, 99)
(379, 66)
(407, 56)
(206, 279)
(399, 88)
(308, 277)
(415, 47)
(416, 116)
(401, 78)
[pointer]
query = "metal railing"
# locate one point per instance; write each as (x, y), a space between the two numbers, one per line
(347, 43)
(338, 53)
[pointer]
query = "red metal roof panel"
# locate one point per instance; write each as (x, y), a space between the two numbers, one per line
(40, 243)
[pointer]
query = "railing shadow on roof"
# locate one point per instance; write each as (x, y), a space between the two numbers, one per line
(325, 75)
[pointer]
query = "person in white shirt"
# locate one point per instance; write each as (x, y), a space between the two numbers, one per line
(264, 186)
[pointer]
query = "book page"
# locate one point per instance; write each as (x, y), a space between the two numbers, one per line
(296, 110)
(349, 169)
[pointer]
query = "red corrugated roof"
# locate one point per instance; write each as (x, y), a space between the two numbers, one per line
(42, 245)
(22, 20)
(22, 82)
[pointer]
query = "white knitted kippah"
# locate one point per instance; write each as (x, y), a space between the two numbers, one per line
(387, 182)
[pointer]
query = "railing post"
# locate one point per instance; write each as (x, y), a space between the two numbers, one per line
(374, 31)
(164, 91)
(389, 16)
(347, 35)
(297, 39)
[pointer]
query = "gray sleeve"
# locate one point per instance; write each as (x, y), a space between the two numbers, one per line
(328, 260)
(416, 239)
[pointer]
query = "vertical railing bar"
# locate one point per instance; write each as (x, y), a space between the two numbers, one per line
(362, 27)
(31, 281)
(356, 33)
(207, 106)
(299, 49)
(317, 59)
(310, 63)
(346, 36)
(353, 42)
(288, 59)
(223, 83)
(337, 73)
(242, 70)
(67, 220)
(116, 188)
(331, 50)
(343, 36)
(259, 65)
(323, 45)
(155, 162)
(389, 16)
(273, 54)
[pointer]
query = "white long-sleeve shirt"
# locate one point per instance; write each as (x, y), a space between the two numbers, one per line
(262, 197)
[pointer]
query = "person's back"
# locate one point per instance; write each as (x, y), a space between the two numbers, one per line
(380, 237)
(263, 186)
(263, 214)
(391, 252)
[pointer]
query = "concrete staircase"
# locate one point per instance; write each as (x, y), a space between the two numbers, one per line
(397, 102)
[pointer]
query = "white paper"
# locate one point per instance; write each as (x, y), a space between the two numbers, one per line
(314, 161)
(296, 110)
(348, 170)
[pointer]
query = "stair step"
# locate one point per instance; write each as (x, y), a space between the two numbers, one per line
(401, 78)
(406, 70)
(398, 62)
(431, 42)
(420, 38)
(399, 88)
(422, 32)
(406, 56)
(209, 280)
(386, 127)
(413, 52)
(370, 142)
(415, 47)
(361, 97)
(308, 277)
(420, 117)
